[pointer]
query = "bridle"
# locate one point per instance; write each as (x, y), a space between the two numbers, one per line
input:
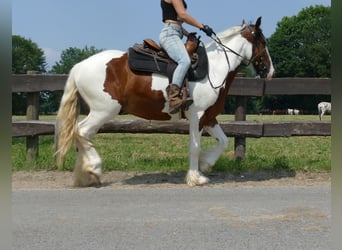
(226, 49)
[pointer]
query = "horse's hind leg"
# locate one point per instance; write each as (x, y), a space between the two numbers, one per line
(209, 157)
(88, 163)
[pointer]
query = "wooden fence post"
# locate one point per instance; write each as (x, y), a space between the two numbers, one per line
(240, 115)
(32, 113)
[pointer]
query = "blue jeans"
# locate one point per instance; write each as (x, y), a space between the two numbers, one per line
(170, 39)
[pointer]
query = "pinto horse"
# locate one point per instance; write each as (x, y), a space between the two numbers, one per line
(108, 85)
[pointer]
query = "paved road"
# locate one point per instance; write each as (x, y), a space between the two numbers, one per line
(292, 218)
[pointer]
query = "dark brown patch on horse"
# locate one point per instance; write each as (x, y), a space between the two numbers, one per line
(246, 33)
(115, 77)
(209, 116)
(254, 35)
(133, 90)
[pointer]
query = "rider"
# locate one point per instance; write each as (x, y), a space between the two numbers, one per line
(174, 14)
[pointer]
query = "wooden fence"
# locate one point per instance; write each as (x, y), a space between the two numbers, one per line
(242, 88)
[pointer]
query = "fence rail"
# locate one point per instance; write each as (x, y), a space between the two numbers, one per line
(241, 88)
(254, 129)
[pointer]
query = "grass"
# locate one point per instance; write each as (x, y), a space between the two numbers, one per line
(169, 153)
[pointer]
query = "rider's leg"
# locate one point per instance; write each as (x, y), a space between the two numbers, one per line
(171, 40)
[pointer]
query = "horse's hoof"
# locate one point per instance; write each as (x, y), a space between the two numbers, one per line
(94, 180)
(87, 179)
(195, 178)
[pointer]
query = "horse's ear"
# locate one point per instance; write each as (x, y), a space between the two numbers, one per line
(258, 22)
(243, 22)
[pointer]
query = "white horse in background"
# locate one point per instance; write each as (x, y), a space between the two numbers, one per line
(290, 111)
(323, 108)
(293, 111)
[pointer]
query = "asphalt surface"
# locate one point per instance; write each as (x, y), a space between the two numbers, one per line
(284, 217)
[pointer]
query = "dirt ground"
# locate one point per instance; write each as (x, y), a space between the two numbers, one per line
(116, 179)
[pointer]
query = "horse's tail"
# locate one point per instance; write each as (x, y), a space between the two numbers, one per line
(66, 129)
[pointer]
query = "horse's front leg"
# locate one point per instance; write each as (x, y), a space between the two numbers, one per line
(209, 157)
(194, 176)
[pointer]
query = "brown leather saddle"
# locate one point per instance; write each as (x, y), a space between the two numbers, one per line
(151, 58)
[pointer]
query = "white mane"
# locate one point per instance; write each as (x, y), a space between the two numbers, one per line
(231, 31)
(227, 34)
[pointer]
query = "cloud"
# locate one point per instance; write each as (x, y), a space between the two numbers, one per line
(52, 56)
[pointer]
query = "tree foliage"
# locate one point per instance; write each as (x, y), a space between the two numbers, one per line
(300, 46)
(71, 56)
(26, 55)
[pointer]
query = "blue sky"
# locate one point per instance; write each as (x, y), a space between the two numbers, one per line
(55, 25)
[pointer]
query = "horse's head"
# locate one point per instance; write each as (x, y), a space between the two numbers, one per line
(261, 59)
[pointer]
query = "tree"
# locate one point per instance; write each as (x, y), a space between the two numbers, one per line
(26, 55)
(300, 46)
(71, 56)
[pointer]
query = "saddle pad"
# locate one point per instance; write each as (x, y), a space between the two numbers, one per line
(144, 63)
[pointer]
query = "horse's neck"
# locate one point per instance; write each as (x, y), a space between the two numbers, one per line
(220, 64)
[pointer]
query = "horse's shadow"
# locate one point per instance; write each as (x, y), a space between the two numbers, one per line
(215, 177)
(157, 178)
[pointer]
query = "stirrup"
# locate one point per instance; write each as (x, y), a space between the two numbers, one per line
(184, 106)
(187, 101)
(176, 109)
(187, 104)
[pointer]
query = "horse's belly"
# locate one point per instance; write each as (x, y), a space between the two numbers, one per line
(148, 105)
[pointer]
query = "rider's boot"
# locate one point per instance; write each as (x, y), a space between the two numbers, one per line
(176, 100)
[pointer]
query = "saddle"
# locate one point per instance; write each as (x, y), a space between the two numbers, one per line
(151, 58)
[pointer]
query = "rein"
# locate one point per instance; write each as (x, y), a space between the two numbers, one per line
(226, 48)
(218, 41)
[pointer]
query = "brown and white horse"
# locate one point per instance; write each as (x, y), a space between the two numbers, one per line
(108, 85)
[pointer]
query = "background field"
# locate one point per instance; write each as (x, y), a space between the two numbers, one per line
(169, 153)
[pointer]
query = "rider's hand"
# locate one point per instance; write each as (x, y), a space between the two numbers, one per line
(207, 30)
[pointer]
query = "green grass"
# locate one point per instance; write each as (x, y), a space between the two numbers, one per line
(169, 153)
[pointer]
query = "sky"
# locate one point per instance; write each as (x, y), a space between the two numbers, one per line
(56, 25)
